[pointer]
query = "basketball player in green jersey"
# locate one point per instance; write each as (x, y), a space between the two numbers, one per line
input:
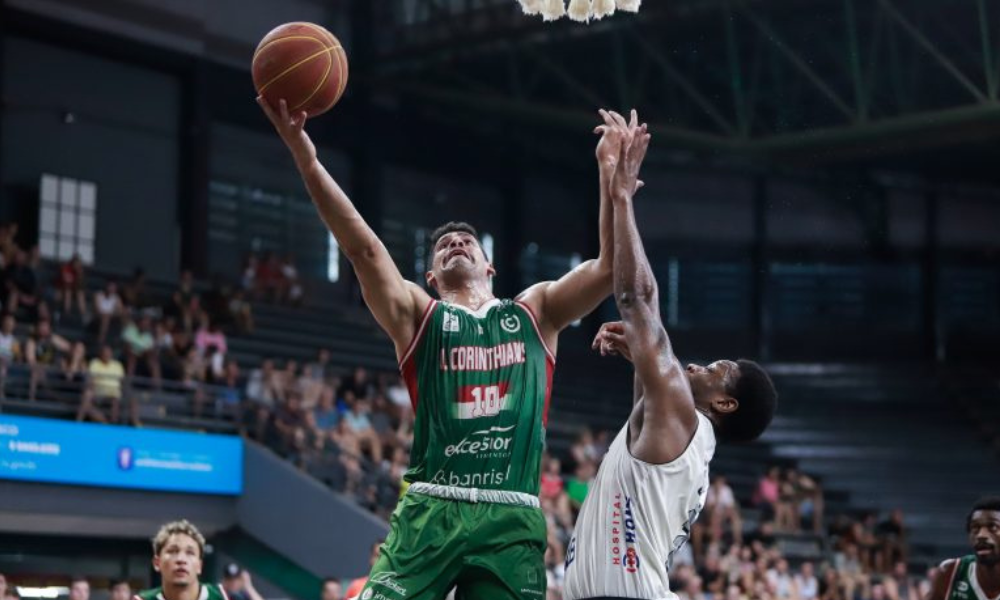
(178, 552)
(479, 372)
(976, 576)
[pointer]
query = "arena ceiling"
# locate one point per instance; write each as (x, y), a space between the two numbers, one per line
(811, 80)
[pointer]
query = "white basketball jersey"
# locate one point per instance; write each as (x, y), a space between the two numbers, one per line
(635, 517)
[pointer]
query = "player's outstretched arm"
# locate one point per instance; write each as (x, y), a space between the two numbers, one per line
(395, 302)
(577, 293)
(669, 416)
(939, 587)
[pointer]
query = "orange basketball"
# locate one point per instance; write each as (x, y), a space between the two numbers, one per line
(302, 63)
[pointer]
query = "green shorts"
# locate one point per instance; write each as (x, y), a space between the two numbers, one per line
(490, 551)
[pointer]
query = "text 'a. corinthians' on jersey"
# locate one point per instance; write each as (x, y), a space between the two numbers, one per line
(480, 384)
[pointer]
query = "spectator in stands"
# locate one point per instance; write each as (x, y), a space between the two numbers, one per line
(46, 354)
(22, 287)
(358, 384)
(264, 386)
(325, 414)
(553, 494)
(332, 590)
(808, 499)
(104, 377)
(398, 465)
(248, 278)
(163, 337)
(79, 588)
(358, 419)
(238, 584)
(397, 393)
(891, 535)
(136, 297)
(806, 582)
(786, 510)
(782, 582)
(291, 286)
(830, 587)
(139, 346)
(230, 394)
(555, 565)
(185, 305)
(318, 370)
(899, 585)
(10, 348)
(173, 358)
(583, 449)
(289, 423)
(120, 589)
(71, 286)
(3, 580)
(210, 334)
(241, 313)
(578, 485)
(722, 509)
(765, 497)
(268, 277)
(288, 378)
(8, 243)
(108, 306)
(852, 574)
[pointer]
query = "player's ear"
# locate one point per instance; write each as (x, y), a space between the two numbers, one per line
(491, 271)
(725, 405)
(156, 564)
(431, 281)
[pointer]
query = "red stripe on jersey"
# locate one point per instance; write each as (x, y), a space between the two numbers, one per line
(550, 368)
(408, 366)
(538, 330)
(420, 332)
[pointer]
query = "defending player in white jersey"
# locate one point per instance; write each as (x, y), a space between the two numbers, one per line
(654, 478)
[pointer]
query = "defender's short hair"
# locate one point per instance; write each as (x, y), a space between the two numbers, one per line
(757, 399)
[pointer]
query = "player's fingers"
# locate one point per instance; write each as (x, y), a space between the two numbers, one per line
(601, 129)
(633, 121)
(639, 184)
(608, 120)
(283, 110)
(620, 120)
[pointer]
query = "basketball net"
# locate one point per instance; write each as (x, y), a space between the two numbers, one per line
(579, 10)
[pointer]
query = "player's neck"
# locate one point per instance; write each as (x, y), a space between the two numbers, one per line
(472, 296)
(185, 592)
(989, 579)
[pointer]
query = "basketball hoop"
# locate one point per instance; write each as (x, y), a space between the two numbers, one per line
(579, 10)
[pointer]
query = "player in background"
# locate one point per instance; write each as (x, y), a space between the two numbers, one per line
(977, 575)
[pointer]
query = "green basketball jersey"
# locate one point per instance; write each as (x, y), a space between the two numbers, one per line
(964, 585)
(480, 383)
(209, 591)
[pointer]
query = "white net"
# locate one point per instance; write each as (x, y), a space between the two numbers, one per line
(578, 10)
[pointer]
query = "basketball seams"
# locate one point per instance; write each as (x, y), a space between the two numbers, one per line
(325, 50)
(322, 82)
(266, 45)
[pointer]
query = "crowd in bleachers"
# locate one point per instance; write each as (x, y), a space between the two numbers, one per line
(353, 429)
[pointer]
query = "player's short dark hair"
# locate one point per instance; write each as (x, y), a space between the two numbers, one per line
(758, 400)
(991, 503)
(449, 227)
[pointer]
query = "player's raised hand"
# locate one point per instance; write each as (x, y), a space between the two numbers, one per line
(626, 179)
(609, 148)
(291, 128)
(610, 340)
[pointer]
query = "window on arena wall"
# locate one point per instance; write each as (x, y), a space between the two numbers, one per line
(67, 218)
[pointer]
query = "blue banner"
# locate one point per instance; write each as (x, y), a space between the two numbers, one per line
(124, 457)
